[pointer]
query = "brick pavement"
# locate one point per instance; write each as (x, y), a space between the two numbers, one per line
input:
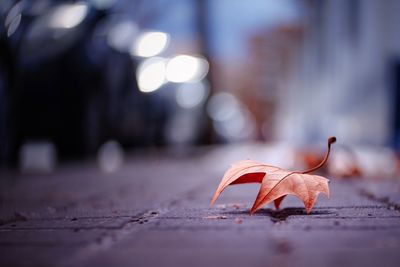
(155, 211)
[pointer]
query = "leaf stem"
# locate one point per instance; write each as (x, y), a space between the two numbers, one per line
(331, 140)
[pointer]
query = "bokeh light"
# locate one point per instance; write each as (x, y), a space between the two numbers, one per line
(231, 120)
(13, 19)
(110, 156)
(69, 15)
(185, 68)
(121, 35)
(190, 95)
(151, 74)
(150, 44)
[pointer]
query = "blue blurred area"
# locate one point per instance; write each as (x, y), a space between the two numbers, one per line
(233, 22)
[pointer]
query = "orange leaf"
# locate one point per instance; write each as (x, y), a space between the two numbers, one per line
(282, 183)
(276, 183)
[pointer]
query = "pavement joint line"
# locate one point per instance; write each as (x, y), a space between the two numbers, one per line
(383, 200)
(141, 218)
(72, 218)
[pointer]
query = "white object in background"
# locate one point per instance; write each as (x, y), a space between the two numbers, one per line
(37, 157)
(110, 156)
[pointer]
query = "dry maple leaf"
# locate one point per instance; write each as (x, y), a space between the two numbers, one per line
(276, 183)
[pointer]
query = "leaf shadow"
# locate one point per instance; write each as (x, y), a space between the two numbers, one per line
(282, 214)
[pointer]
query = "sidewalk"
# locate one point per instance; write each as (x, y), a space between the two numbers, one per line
(155, 212)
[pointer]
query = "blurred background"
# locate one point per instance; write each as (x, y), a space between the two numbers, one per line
(93, 79)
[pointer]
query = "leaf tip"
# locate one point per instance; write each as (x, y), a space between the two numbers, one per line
(254, 209)
(214, 198)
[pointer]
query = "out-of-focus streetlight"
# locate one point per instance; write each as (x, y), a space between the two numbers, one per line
(185, 68)
(151, 74)
(149, 44)
(68, 16)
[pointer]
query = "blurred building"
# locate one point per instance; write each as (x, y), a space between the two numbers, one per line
(347, 79)
(253, 55)
(272, 56)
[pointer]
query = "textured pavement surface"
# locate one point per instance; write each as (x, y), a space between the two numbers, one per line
(155, 211)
